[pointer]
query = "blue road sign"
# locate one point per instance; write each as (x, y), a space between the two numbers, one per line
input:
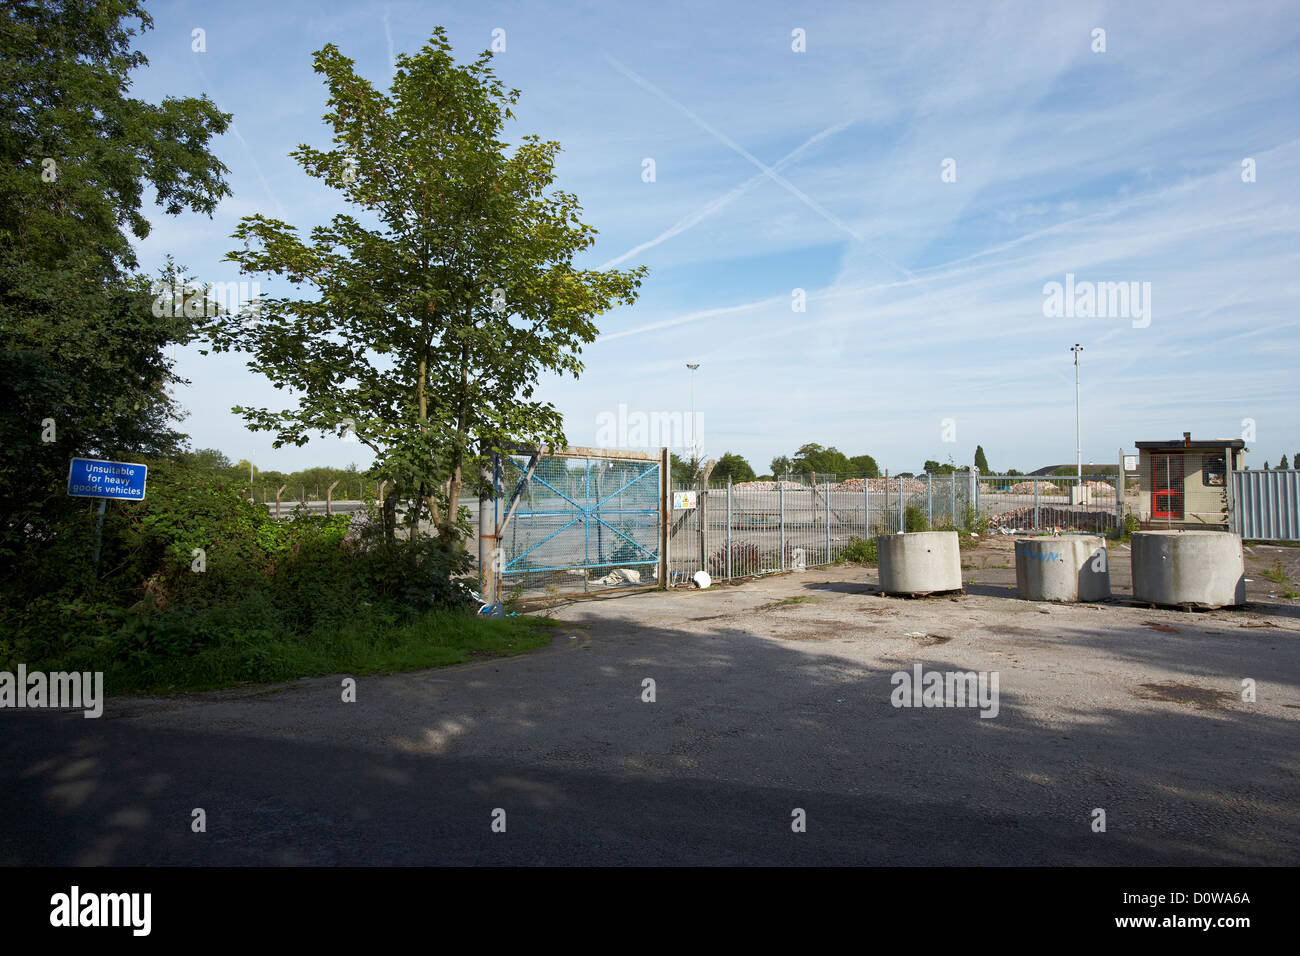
(121, 480)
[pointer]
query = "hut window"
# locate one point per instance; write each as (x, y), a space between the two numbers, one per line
(1213, 471)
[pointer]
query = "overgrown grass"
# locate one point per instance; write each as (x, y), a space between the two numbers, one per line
(365, 645)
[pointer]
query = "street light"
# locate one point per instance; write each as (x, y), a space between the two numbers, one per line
(695, 455)
(1076, 348)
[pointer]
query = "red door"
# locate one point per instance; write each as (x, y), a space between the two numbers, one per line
(1167, 486)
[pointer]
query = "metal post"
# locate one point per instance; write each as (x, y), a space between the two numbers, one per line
(703, 488)
(866, 507)
(929, 502)
(1078, 443)
(901, 509)
(277, 501)
(665, 513)
(1035, 504)
(826, 495)
(884, 517)
(952, 508)
(99, 540)
(487, 541)
(1120, 485)
(329, 497)
(780, 491)
(728, 526)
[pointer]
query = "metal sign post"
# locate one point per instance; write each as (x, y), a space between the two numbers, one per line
(118, 480)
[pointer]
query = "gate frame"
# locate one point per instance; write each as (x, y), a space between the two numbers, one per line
(492, 526)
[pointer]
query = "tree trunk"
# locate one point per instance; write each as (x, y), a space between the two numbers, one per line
(390, 515)
(454, 486)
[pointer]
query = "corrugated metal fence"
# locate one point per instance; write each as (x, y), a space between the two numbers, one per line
(1266, 505)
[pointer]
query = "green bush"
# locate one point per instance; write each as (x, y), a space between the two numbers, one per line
(859, 551)
(195, 571)
(915, 519)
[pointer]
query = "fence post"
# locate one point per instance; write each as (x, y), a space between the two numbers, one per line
(701, 493)
(1120, 488)
(486, 539)
(728, 562)
(884, 517)
(901, 509)
(665, 515)
(866, 507)
(975, 488)
(952, 508)
(929, 503)
(780, 491)
(826, 496)
(277, 501)
(1035, 504)
(329, 497)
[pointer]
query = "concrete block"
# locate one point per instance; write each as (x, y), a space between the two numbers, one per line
(1204, 569)
(919, 562)
(1072, 567)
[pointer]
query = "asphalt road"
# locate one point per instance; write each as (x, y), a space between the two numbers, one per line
(762, 706)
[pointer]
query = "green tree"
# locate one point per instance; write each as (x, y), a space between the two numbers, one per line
(780, 466)
(434, 322)
(864, 466)
(1282, 463)
(209, 459)
(981, 462)
(1295, 461)
(684, 470)
(812, 458)
(83, 369)
(734, 467)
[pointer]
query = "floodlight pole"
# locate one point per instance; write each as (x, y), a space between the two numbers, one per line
(695, 449)
(1078, 444)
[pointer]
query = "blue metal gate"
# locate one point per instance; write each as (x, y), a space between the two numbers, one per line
(579, 523)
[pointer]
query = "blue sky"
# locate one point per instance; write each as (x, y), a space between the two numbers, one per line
(821, 170)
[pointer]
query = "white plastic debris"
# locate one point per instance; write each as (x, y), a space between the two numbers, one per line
(702, 579)
(915, 634)
(798, 560)
(621, 576)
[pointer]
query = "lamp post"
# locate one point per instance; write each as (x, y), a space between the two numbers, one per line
(695, 454)
(1076, 348)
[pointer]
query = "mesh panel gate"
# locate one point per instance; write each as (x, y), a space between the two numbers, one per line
(582, 523)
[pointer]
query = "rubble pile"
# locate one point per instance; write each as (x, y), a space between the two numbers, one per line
(1060, 518)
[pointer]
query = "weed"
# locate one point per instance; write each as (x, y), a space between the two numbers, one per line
(1275, 573)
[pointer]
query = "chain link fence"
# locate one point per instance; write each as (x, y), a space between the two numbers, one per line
(760, 527)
